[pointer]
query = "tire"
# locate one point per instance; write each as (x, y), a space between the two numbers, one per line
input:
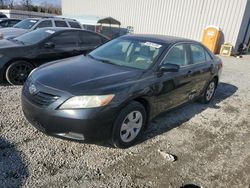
(209, 92)
(129, 125)
(17, 72)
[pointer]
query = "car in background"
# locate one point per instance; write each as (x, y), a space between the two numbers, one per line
(114, 92)
(19, 56)
(8, 22)
(31, 24)
(3, 15)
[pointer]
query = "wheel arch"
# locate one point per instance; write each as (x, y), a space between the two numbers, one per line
(146, 105)
(12, 61)
(216, 78)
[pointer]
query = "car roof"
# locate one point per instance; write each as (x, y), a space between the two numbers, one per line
(158, 38)
(61, 29)
(54, 18)
(2, 19)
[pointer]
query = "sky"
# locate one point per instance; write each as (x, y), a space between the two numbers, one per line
(56, 2)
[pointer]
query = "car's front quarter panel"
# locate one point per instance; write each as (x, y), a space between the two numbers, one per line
(3, 61)
(94, 123)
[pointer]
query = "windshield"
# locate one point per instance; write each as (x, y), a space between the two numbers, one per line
(26, 24)
(129, 52)
(36, 36)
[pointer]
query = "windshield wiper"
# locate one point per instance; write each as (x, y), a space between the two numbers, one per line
(102, 60)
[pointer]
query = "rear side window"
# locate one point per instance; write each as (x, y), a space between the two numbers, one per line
(61, 23)
(90, 39)
(74, 25)
(177, 55)
(66, 39)
(46, 23)
(208, 56)
(198, 54)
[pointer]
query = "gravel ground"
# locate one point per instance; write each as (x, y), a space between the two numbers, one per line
(211, 143)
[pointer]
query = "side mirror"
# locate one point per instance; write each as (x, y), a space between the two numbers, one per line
(49, 45)
(169, 68)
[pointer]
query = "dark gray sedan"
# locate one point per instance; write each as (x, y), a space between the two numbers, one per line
(19, 56)
(114, 91)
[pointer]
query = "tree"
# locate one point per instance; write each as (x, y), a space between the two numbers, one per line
(27, 4)
(11, 4)
(6, 4)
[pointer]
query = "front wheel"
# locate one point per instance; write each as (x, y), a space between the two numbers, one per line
(209, 92)
(17, 72)
(129, 125)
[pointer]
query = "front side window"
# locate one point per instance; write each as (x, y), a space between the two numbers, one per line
(66, 39)
(43, 24)
(129, 52)
(61, 23)
(26, 24)
(197, 53)
(177, 55)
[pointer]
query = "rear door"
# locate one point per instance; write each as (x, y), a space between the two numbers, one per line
(201, 65)
(90, 41)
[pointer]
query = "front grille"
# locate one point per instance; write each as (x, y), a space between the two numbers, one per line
(41, 99)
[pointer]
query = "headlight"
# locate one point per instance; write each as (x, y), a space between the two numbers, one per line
(87, 102)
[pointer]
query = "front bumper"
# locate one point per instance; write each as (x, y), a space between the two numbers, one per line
(85, 125)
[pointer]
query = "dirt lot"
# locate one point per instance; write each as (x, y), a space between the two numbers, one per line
(212, 144)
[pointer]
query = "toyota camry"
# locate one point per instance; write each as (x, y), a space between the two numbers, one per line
(113, 92)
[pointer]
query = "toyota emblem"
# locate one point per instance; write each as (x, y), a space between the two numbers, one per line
(33, 89)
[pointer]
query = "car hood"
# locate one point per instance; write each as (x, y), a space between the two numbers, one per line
(7, 44)
(11, 32)
(83, 75)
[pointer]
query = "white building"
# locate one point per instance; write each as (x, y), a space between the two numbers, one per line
(183, 18)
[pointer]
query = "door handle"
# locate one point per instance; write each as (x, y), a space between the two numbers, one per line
(75, 52)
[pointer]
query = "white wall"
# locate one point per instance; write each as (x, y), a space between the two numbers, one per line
(184, 18)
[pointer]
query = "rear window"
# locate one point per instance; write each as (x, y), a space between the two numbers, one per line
(74, 25)
(61, 24)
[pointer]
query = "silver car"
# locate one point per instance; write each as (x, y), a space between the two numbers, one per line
(31, 24)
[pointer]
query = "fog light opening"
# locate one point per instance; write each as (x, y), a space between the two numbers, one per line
(72, 135)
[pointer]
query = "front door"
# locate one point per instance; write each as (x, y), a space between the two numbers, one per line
(173, 88)
(66, 44)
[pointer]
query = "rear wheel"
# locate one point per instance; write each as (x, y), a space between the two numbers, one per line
(129, 125)
(209, 92)
(18, 72)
